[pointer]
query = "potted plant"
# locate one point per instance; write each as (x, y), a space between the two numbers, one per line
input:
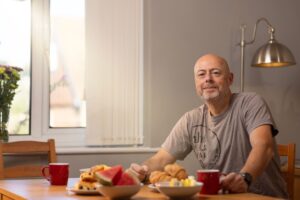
(9, 77)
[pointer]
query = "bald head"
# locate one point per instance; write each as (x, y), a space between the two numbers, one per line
(212, 60)
(213, 78)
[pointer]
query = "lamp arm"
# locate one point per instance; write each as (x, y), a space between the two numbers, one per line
(243, 44)
(271, 30)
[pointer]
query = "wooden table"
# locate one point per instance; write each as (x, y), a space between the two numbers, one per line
(40, 189)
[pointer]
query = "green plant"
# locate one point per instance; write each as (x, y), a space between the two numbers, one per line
(9, 77)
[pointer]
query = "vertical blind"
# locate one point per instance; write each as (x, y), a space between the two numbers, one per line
(114, 82)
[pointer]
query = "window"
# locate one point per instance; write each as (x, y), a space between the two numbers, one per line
(67, 63)
(52, 71)
(68, 41)
(15, 23)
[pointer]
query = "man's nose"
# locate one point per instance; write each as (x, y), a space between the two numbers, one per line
(208, 77)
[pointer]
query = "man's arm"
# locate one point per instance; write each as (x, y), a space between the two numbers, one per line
(156, 162)
(159, 160)
(262, 152)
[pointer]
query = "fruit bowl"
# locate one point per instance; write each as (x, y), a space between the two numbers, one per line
(178, 191)
(121, 191)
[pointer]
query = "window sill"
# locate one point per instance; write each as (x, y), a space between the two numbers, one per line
(104, 150)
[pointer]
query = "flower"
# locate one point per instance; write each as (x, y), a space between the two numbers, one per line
(9, 77)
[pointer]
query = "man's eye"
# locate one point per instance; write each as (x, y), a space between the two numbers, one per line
(201, 74)
(216, 73)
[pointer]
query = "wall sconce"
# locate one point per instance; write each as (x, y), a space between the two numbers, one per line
(272, 54)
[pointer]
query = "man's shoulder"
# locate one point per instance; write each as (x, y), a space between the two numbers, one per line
(196, 111)
(248, 96)
(248, 100)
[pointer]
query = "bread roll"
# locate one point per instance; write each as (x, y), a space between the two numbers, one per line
(82, 185)
(159, 176)
(181, 174)
(176, 171)
(87, 176)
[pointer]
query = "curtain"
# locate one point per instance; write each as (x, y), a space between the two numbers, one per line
(114, 81)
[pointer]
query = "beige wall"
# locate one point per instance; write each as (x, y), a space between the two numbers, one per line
(177, 32)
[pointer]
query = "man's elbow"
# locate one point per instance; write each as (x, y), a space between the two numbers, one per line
(270, 152)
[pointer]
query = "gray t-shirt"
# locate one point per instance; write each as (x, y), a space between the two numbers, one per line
(223, 142)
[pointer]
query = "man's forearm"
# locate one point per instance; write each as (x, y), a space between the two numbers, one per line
(153, 165)
(258, 160)
(159, 160)
(262, 151)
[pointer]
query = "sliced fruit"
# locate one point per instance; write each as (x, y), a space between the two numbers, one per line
(128, 178)
(109, 176)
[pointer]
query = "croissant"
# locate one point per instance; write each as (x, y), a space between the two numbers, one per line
(96, 168)
(176, 171)
(158, 176)
(181, 174)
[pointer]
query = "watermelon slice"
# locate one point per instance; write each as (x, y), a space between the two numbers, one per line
(128, 178)
(109, 176)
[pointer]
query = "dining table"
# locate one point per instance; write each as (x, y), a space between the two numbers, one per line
(40, 189)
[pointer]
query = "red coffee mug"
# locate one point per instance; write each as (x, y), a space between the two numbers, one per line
(56, 173)
(210, 179)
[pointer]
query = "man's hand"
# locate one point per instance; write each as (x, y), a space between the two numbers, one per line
(156, 162)
(234, 183)
(140, 170)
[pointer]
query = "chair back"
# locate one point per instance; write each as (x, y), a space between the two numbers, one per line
(288, 170)
(18, 150)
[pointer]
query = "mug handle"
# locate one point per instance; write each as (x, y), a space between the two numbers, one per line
(44, 169)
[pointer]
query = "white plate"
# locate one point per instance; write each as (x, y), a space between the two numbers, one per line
(124, 191)
(83, 192)
(153, 188)
(178, 191)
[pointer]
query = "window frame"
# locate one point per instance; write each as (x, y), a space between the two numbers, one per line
(39, 102)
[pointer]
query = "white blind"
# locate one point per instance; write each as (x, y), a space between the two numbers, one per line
(114, 81)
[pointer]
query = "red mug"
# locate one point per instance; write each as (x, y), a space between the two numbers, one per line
(210, 179)
(56, 173)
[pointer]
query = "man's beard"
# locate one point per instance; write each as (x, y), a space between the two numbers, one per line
(210, 96)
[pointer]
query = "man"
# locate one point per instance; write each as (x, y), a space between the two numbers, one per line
(230, 132)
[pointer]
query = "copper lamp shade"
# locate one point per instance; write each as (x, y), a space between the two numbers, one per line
(273, 54)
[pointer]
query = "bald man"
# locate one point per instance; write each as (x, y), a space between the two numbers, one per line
(234, 133)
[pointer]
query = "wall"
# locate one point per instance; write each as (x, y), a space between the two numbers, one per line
(177, 32)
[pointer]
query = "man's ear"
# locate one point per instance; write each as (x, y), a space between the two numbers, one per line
(230, 78)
